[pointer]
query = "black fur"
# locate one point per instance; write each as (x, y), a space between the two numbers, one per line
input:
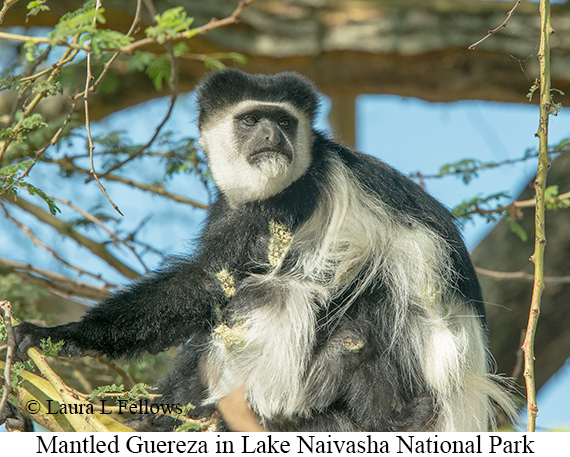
(362, 388)
(225, 88)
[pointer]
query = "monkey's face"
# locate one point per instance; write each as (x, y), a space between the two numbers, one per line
(257, 149)
(267, 137)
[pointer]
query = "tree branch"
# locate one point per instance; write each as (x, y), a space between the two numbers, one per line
(54, 254)
(213, 24)
(5, 7)
(68, 164)
(6, 309)
(55, 282)
(520, 276)
(540, 236)
(495, 30)
(173, 97)
(99, 249)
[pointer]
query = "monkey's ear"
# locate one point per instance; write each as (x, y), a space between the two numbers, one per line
(219, 90)
(300, 91)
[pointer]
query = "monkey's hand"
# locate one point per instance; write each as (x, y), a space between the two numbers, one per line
(29, 335)
(237, 414)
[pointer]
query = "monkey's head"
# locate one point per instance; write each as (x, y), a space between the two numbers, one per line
(257, 131)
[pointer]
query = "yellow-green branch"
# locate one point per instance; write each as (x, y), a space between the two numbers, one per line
(540, 232)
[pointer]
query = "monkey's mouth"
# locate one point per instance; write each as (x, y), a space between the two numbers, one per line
(262, 155)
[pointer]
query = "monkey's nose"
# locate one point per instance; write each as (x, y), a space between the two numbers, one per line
(273, 136)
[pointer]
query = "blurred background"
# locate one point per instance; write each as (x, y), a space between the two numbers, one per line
(398, 81)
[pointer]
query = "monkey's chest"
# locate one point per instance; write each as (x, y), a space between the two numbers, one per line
(265, 347)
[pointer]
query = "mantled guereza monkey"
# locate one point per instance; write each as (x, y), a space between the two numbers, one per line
(334, 292)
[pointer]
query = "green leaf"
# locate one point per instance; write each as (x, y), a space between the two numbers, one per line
(51, 349)
(169, 24)
(79, 22)
(18, 371)
(10, 170)
(466, 168)
(32, 51)
(213, 64)
(36, 7)
(3, 331)
(10, 182)
(138, 391)
(533, 89)
(551, 192)
(482, 205)
(517, 229)
(180, 49)
(32, 122)
(141, 60)
(159, 71)
(108, 39)
(190, 425)
(102, 391)
(552, 201)
(48, 88)
(33, 190)
(11, 82)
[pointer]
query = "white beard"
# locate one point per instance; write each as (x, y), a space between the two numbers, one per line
(235, 177)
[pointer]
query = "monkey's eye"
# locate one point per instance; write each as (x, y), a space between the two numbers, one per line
(285, 122)
(250, 119)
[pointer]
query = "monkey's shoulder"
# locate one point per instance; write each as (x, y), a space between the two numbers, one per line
(396, 190)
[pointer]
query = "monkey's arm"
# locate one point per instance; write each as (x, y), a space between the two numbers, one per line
(160, 311)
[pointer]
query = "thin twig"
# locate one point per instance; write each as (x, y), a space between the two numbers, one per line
(540, 236)
(68, 164)
(59, 64)
(5, 7)
(6, 309)
(132, 30)
(520, 276)
(54, 139)
(97, 248)
(127, 378)
(173, 97)
(495, 30)
(29, 108)
(90, 217)
(54, 254)
(88, 81)
(54, 281)
(530, 203)
(484, 166)
(114, 236)
(213, 24)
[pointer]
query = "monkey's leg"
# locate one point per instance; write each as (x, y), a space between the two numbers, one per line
(181, 386)
(332, 420)
(416, 415)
